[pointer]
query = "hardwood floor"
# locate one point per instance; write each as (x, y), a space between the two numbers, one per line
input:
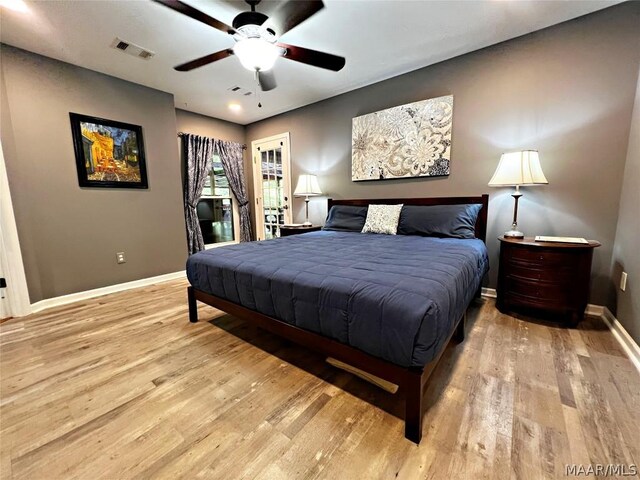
(123, 386)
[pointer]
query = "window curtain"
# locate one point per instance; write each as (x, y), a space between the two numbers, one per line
(231, 157)
(198, 152)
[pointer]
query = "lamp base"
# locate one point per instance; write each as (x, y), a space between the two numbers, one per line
(307, 223)
(513, 234)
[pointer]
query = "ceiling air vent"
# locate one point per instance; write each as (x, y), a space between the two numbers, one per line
(132, 49)
(240, 90)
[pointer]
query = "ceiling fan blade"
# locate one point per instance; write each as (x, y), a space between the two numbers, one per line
(313, 57)
(202, 61)
(267, 81)
(189, 11)
(291, 14)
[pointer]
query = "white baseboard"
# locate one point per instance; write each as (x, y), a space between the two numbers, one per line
(489, 292)
(627, 343)
(594, 310)
(98, 292)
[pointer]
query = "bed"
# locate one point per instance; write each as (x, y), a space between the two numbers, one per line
(384, 304)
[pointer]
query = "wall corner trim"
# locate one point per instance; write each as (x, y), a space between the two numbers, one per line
(627, 343)
(98, 292)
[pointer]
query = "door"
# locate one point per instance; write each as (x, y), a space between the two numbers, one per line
(14, 299)
(271, 185)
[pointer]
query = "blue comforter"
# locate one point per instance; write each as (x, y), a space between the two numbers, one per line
(395, 297)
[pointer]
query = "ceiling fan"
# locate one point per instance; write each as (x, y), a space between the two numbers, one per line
(256, 36)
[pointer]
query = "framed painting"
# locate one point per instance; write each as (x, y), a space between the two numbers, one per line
(109, 154)
(412, 140)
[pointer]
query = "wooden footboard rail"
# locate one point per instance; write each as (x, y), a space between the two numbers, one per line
(411, 380)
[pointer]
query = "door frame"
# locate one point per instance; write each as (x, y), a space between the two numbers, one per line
(257, 177)
(16, 303)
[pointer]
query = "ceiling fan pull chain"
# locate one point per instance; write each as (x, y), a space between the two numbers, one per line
(258, 88)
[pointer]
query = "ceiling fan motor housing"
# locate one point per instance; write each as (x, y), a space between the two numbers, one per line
(248, 18)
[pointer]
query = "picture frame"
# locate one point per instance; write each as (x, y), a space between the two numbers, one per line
(109, 153)
(407, 141)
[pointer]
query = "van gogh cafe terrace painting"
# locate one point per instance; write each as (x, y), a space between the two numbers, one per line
(111, 154)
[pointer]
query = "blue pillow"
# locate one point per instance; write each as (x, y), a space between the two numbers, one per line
(455, 221)
(346, 218)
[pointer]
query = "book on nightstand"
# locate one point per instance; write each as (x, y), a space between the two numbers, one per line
(542, 238)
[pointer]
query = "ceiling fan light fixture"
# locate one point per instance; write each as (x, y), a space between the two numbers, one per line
(16, 5)
(256, 54)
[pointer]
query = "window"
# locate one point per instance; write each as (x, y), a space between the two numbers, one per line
(273, 196)
(217, 208)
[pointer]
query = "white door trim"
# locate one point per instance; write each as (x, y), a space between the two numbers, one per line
(257, 175)
(10, 253)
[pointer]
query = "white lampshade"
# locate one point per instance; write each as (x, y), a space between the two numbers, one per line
(518, 168)
(307, 186)
(256, 54)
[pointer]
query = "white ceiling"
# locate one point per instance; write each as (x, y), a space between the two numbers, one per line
(380, 39)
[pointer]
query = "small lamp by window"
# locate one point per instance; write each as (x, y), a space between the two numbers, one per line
(307, 187)
(515, 169)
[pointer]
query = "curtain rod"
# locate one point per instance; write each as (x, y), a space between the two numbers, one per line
(180, 134)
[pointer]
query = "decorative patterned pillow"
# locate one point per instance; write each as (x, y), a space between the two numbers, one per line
(382, 219)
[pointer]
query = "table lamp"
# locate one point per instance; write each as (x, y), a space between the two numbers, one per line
(307, 187)
(515, 169)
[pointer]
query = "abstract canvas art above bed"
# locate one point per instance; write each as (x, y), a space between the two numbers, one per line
(412, 140)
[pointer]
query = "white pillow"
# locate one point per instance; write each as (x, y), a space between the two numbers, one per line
(382, 219)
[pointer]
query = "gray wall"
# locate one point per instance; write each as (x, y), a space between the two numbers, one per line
(69, 236)
(625, 251)
(189, 122)
(567, 91)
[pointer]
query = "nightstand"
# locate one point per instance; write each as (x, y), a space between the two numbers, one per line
(288, 230)
(545, 276)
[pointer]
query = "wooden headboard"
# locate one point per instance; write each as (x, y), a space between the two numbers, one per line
(481, 222)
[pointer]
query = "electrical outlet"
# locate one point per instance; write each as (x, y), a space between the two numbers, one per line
(623, 281)
(120, 257)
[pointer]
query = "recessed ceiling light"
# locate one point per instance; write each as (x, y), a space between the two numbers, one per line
(17, 5)
(235, 107)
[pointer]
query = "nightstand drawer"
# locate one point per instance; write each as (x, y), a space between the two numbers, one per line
(538, 257)
(516, 299)
(560, 275)
(542, 292)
